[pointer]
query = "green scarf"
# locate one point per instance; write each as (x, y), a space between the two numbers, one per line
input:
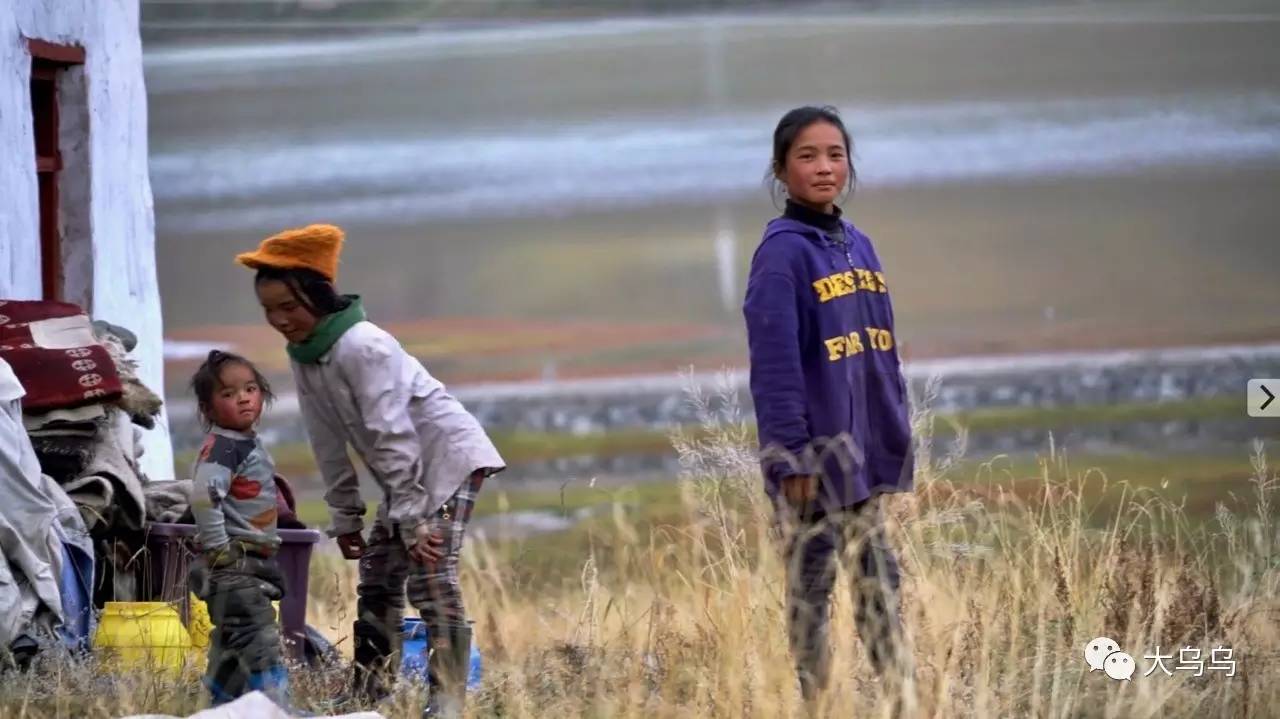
(327, 332)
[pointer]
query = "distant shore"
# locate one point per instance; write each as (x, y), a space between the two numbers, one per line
(1013, 391)
(195, 23)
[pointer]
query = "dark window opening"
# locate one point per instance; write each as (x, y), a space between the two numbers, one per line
(47, 63)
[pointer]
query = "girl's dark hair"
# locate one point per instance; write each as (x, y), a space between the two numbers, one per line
(205, 382)
(312, 289)
(784, 136)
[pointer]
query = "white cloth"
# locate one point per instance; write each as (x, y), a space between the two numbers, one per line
(30, 538)
(78, 416)
(418, 441)
(63, 333)
(10, 387)
(256, 705)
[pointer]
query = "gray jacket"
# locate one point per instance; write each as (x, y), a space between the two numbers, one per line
(417, 440)
(233, 493)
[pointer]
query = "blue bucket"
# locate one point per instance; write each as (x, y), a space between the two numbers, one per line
(413, 662)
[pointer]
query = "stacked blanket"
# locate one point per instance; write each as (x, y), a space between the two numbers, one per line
(83, 409)
(83, 400)
(64, 439)
(52, 349)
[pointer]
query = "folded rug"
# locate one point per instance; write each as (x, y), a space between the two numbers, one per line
(52, 350)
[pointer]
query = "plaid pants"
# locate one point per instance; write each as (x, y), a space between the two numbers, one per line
(435, 591)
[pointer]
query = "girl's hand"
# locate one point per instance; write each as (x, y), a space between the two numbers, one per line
(800, 489)
(429, 547)
(352, 545)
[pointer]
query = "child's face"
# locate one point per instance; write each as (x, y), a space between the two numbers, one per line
(237, 401)
(284, 312)
(817, 166)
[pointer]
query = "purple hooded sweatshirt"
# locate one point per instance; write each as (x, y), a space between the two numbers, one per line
(830, 397)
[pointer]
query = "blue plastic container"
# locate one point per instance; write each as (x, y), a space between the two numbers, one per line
(413, 663)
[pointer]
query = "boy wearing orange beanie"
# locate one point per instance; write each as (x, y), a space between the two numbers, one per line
(357, 386)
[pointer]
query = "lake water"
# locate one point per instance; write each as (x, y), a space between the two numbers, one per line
(1031, 181)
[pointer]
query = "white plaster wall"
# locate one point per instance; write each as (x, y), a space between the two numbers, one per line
(125, 290)
(19, 223)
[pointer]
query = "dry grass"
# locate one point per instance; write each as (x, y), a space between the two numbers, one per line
(683, 615)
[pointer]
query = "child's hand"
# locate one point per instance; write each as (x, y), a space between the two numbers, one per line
(429, 547)
(352, 545)
(800, 489)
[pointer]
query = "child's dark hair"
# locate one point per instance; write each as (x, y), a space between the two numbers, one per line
(207, 379)
(312, 289)
(789, 128)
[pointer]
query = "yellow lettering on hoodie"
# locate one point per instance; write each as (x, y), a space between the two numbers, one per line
(838, 285)
(880, 339)
(884, 287)
(847, 285)
(855, 343)
(866, 280)
(824, 288)
(835, 348)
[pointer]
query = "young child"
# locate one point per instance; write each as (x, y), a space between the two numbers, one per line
(234, 502)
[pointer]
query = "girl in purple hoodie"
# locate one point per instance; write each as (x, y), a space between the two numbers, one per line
(830, 398)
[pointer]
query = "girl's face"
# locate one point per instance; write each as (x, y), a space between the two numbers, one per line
(817, 166)
(284, 312)
(237, 400)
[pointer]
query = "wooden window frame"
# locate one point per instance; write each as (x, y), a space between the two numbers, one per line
(47, 61)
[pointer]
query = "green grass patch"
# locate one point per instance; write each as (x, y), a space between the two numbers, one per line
(1006, 418)
(1199, 483)
(1202, 481)
(500, 497)
(295, 459)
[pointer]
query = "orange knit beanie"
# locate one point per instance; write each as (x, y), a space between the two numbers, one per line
(314, 247)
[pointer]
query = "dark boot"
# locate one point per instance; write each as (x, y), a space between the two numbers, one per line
(374, 651)
(447, 671)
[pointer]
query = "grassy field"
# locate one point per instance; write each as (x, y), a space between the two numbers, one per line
(668, 601)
